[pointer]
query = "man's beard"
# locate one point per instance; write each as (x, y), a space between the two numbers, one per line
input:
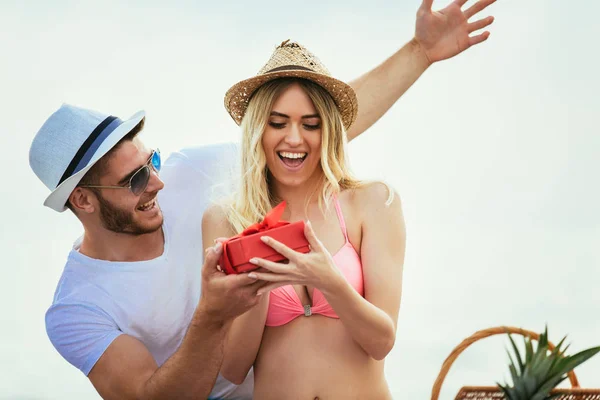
(121, 221)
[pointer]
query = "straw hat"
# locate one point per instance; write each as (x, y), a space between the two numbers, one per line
(292, 60)
(69, 143)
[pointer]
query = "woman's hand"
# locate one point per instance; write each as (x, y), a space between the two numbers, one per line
(315, 268)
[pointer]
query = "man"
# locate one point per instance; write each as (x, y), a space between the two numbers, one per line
(133, 310)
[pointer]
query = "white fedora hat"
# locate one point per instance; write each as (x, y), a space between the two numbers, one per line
(69, 143)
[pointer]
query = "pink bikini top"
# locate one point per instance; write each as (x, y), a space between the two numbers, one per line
(284, 303)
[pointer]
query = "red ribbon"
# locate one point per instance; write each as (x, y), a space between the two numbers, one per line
(271, 221)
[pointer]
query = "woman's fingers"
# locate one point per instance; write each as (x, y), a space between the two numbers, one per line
(268, 276)
(280, 248)
(270, 266)
(313, 240)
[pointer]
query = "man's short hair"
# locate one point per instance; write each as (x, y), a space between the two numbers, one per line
(92, 177)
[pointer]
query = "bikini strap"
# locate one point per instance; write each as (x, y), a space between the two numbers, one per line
(338, 210)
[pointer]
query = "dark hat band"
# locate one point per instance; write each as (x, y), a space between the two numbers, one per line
(289, 68)
(89, 147)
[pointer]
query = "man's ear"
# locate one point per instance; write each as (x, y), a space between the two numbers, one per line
(82, 200)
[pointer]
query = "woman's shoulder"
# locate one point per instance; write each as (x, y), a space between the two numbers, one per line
(372, 207)
(378, 207)
(215, 211)
(215, 217)
(373, 194)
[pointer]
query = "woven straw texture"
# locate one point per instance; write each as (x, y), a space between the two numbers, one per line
(292, 60)
(493, 392)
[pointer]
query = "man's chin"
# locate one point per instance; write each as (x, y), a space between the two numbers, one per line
(138, 228)
(149, 226)
(135, 222)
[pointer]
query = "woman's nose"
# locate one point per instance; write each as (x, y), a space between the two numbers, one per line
(293, 136)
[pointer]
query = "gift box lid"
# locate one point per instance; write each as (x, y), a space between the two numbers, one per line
(242, 249)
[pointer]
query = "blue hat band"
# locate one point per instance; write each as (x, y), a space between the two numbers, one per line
(89, 147)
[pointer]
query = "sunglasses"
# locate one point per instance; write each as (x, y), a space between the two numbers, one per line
(140, 178)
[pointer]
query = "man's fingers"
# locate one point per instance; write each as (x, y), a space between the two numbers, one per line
(480, 24)
(248, 279)
(242, 279)
(477, 7)
(211, 258)
(253, 286)
(258, 287)
(473, 40)
(271, 286)
(426, 5)
(460, 3)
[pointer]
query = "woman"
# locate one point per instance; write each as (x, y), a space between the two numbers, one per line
(327, 319)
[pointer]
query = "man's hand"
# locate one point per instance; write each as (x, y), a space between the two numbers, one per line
(225, 297)
(445, 33)
(127, 369)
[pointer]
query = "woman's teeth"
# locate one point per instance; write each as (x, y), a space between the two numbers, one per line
(292, 160)
(293, 156)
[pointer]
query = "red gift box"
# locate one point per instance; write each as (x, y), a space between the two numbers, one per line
(239, 249)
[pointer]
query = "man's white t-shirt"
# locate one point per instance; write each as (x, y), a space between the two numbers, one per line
(153, 301)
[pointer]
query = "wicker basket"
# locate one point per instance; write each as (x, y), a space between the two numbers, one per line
(493, 392)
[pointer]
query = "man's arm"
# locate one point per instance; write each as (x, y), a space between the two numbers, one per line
(244, 337)
(380, 88)
(439, 35)
(127, 370)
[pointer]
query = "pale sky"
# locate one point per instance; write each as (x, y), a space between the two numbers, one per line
(494, 153)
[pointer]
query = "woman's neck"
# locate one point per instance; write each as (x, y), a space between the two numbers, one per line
(297, 199)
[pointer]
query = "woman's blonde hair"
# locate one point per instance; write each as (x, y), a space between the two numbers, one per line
(255, 196)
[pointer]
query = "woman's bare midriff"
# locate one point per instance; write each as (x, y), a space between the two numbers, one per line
(315, 358)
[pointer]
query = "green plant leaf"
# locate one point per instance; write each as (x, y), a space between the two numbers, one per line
(559, 345)
(579, 358)
(517, 354)
(511, 367)
(506, 390)
(540, 370)
(528, 351)
(548, 386)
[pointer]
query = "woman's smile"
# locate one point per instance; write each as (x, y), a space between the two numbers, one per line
(291, 160)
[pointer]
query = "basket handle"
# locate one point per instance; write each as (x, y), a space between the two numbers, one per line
(435, 392)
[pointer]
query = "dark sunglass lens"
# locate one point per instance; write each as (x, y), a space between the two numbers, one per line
(156, 161)
(139, 181)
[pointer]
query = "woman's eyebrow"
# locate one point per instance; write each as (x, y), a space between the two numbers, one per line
(278, 114)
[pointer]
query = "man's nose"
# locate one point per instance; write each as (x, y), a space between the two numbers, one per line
(155, 183)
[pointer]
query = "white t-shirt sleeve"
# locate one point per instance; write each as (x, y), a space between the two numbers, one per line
(195, 177)
(201, 167)
(80, 333)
